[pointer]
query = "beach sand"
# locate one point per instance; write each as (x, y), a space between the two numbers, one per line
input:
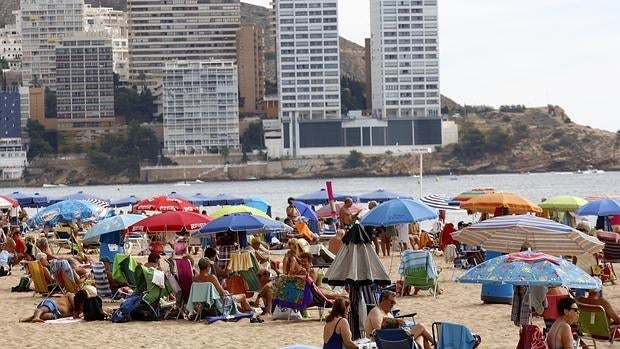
(459, 303)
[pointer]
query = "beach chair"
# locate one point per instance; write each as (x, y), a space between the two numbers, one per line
(184, 274)
(41, 284)
(175, 289)
(154, 286)
(124, 269)
(202, 295)
(551, 313)
(594, 325)
(453, 335)
(417, 268)
(394, 338)
(611, 249)
(102, 284)
(62, 238)
(63, 274)
(292, 292)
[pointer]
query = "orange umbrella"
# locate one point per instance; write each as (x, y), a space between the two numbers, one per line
(464, 196)
(493, 202)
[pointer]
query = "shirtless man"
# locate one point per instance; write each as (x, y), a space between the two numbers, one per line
(204, 264)
(345, 216)
(266, 291)
(382, 313)
(595, 298)
(292, 212)
(58, 307)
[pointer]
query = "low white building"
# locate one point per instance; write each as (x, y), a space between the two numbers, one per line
(200, 106)
(12, 158)
(11, 46)
(273, 138)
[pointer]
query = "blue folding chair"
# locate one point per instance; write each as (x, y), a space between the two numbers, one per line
(394, 338)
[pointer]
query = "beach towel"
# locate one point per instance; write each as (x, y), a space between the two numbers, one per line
(453, 335)
(292, 292)
(418, 259)
(159, 278)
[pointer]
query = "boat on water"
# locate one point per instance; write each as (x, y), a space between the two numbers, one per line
(181, 184)
(250, 178)
(199, 181)
(590, 170)
(47, 185)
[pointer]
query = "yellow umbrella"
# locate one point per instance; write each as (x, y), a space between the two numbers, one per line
(227, 210)
(493, 202)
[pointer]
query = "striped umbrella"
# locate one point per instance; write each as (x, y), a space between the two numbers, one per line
(594, 197)
(439, 201)
(509, 233)
(464, 196)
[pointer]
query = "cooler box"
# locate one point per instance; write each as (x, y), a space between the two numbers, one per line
(496, 294)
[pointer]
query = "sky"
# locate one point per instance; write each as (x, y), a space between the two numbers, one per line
(531, 52)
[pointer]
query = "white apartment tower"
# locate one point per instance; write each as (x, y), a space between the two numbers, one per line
(404, 59)
(43, 25)
(200, 106)
(113, 23)
(161, 30)
(84, 84)
(308, 59)
(11, 44)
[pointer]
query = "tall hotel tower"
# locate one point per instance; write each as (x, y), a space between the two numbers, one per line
(308, 68)
(44, 23)
(405, 66)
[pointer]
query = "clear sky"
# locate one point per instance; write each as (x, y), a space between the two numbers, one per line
(532, 52)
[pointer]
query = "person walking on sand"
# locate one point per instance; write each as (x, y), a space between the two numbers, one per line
(345, 216)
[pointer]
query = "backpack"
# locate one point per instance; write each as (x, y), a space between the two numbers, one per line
(131, 303)
(93, 309)
(23, 286)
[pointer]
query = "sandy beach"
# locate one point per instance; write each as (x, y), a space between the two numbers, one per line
(459, 303)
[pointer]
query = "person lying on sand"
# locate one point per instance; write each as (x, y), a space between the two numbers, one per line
(58, 307)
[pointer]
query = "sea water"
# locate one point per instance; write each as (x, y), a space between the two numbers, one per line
(534, 187)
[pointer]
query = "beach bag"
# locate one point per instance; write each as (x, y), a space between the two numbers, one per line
(531, 337)
(93, 309)
(281, 313)
(4, 270)
(23, 286)
(131, 303)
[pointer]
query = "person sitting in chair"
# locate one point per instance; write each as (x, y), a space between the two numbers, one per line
(595, 297)
(204, 264)
(381, 316)
(266, 291)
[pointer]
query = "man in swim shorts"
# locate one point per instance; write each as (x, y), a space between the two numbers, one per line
(58, 307)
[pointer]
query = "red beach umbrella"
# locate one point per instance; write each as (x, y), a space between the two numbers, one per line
(172, 221)
(165, 203)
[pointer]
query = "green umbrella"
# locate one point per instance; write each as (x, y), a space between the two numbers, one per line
(563, 203)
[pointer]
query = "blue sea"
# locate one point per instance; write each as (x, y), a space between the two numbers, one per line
(534, 187)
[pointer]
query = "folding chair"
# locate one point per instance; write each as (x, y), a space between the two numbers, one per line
(417, 268)
(63, 238)
(453, 335)
(41, 284)
(394, 338)
(201, 294)
(179, 305)
(102, 284)
(63, 274)
(594, 324)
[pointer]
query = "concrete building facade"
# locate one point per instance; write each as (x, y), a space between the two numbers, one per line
(13, 159)
(44, 23)
(308, 65)
(11, 46)
(200, 106)
(10, 114)
(85, 87)
(164, 30)
(251, 65)
(114, 24)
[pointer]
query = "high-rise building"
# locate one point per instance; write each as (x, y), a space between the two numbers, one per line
(251, 64)
(308, 66)
(85, 87)
(114, 24)
(161, 30)
(44, 23)
(200, 106)
(10, 114)
(404, 59)
(11, 46)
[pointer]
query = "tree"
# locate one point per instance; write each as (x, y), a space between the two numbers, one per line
(355, 159)
(50, 103)
(38, 143)
(252, 138)
(352, 95)
(3, 63)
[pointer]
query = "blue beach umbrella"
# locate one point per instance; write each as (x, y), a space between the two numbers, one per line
(530, 268)
(241, 222)
(198, 199)
(28, 200)
(174, 194)
(68, 211)
(320, 197)
(398, 211)
(80, 195)
(126, 201)
(258, 203)
(305, 210)
(602, 207)
(111, 224)
(39, 200)
(382, 195)
(222, 199)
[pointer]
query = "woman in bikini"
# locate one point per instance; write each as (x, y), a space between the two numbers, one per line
(560, 335)
(336, 333)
